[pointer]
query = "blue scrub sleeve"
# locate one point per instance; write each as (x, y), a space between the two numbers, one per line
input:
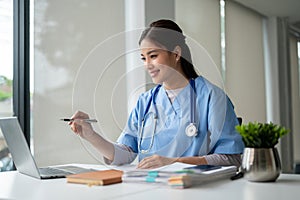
(230, 141)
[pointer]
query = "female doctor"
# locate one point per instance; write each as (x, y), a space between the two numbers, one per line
(185, 118)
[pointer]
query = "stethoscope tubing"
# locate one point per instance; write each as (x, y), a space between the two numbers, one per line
(193, 100)
(152, 100)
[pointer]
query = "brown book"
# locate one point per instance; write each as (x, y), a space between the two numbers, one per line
(103, 177)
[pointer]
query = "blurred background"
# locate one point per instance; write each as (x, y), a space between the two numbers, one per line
(61, 56)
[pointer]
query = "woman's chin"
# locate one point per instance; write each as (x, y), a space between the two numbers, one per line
(156, 81)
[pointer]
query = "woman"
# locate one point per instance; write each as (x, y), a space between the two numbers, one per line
(184, 118)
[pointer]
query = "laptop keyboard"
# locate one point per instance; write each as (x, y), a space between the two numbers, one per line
(73, 169)
(52, 171)
(63, 170)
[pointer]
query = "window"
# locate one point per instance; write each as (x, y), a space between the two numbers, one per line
(6, 57)
(299, 65)
(6, 74)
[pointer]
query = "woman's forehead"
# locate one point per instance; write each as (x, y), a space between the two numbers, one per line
(147, 45)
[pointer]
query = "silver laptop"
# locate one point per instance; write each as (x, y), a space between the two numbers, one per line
(23, 158)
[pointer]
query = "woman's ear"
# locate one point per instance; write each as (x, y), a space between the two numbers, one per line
(177, 52)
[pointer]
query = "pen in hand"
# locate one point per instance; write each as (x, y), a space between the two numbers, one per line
(85, 120)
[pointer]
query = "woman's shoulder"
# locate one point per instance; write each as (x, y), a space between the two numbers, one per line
(204, 84)
(149, 92)
(146, 96)
(201, 82)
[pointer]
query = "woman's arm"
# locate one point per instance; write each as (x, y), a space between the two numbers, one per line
(123, 155)
(194, 160)
(213, 159)
(86, 131)
(224, 159)
(156, 161)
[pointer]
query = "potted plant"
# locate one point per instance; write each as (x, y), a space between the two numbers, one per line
(261, 161)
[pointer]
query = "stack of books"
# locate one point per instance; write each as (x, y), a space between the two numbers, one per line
(179, 175)
(197, 176)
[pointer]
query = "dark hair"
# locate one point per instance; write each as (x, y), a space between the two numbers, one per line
(168, 34)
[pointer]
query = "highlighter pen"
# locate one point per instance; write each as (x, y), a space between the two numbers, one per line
(85, 120)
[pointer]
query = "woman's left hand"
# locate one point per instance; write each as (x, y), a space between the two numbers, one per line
(155, 161)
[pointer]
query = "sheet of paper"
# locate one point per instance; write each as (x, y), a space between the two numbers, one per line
(173, 167)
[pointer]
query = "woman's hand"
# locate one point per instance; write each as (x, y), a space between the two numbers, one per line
(85, 130)
(155, 161)
(80, 127)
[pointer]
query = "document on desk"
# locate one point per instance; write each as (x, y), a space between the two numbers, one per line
(179, 175)
(131, 170)
(157, 175)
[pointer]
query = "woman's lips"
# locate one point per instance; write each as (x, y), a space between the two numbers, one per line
(153, 73)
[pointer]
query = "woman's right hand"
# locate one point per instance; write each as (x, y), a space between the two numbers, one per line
(80, 127)
(85, 130)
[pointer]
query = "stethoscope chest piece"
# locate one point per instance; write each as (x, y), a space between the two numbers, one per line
(191, 130)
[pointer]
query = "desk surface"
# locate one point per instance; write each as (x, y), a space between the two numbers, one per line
(14, 185)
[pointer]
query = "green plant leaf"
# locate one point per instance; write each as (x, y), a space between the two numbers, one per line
(261, 135)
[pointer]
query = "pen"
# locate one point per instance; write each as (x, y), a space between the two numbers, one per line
(237, 176)
(85, 120)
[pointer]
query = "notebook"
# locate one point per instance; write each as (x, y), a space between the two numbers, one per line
(104, 177)
(23, 158)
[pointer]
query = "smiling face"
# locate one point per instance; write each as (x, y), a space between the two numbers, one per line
(163, 66)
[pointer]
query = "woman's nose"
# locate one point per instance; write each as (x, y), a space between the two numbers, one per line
(148, 64)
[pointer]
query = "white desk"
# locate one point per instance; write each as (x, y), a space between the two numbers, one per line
(14, 185)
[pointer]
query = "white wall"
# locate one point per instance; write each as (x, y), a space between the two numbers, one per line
(295, 97)
(244, 83)
(245, 78)
(78, 63)
(200, 21)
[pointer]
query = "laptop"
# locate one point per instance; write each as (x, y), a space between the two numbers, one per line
(23, 158)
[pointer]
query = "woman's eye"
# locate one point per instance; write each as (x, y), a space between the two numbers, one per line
(153, 56)
(143, 58)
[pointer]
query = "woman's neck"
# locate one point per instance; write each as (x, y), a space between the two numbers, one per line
(176, 82)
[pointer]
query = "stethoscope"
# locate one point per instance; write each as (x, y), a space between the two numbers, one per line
(191, 130)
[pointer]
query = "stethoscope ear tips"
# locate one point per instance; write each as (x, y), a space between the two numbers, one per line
(191, 130)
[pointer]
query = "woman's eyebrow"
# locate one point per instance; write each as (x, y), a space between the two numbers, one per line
(151, 51)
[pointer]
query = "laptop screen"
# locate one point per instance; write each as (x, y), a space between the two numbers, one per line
(18, 147)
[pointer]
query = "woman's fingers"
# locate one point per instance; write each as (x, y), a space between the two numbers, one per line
(155, 161)
(77, 123)
(80, 115)
(149, 162)
(75, 128)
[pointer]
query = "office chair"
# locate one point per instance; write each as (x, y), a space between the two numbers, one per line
(240, 120)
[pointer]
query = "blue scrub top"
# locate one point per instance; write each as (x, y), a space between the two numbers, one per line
(214, 117)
